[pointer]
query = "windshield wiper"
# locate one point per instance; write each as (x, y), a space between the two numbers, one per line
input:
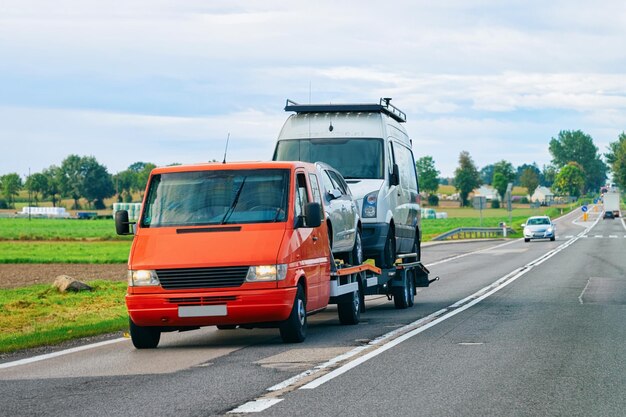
(231, 209)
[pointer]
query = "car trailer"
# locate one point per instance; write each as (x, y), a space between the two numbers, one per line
(350, 284)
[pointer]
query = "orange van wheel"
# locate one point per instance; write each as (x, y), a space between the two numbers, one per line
(144, 337)
(293, 330)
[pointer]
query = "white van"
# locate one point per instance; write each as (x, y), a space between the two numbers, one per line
(369, 146)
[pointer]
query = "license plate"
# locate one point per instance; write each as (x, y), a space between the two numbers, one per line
(202, 311)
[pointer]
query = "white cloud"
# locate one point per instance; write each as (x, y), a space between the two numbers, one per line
(166, 81)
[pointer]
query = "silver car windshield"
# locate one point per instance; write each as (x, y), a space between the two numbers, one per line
(217, 197)
(537, 222)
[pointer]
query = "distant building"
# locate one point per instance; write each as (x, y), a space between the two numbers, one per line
(488, 192)
(543, 195)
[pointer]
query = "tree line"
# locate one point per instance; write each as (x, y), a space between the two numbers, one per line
(576, 168)
(78, 177)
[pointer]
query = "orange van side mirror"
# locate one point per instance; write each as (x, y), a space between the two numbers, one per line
(313, 214)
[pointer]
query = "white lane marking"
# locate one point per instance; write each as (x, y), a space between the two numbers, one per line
(456, 308)
(255, 406)
(612, 236)
(288, 382)
(418, 325)
(623, 224)
(59, 353)
(598, 236)
(580, 297)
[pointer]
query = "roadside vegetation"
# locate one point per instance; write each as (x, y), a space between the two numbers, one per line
(43, 252)
(40, 315)
(59, 229)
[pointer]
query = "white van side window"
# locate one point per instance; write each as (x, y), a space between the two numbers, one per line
(406, 165)
(390, 157)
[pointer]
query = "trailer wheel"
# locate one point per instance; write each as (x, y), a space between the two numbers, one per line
(144, 337)
(350, 311)
(403, 296)
(411, 283)
(293, 330)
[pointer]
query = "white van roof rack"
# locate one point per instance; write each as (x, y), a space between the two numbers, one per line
(384, 106)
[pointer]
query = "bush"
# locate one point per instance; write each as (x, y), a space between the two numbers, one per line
(433, 200)
(3, 204)
(524, 200)
(495, 204)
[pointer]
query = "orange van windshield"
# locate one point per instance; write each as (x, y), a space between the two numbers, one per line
(216, 197)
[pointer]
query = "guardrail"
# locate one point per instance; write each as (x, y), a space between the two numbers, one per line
(474, 232)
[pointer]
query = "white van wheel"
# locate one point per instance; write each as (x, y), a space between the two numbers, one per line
(389, 253)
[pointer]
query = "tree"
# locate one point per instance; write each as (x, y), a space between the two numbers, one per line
(37, 184)
(503, 174)
(466, 177)
(96, 184)
(53, 175)
(142, 169)
(530, 180)
(570, 180)
(616, 157)
(428, 174)
(548, 175)
(124, 182)
(11, 185)
(524, 167)
(576, 146)
(70, 178)
(486, 174)
(85, 177)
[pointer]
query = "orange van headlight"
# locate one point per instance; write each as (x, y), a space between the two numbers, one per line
(267, 273)
(143, 278)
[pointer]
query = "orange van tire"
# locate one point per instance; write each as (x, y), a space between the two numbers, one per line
(293, 330)
(144, 337)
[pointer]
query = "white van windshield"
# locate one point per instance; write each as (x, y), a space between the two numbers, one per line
(354, 158)
(217, 197)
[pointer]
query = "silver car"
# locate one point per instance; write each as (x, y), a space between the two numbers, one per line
(539, 227)
(344, 223)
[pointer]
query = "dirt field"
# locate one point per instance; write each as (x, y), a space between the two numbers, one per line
(19, 275)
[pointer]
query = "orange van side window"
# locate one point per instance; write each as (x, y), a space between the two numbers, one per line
(302, 195)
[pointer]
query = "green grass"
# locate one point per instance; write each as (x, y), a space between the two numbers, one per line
(58, 229)
(40, 315)
(64, 252)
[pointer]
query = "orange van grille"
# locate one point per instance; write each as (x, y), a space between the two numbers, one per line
(220, 277)
(201, 301)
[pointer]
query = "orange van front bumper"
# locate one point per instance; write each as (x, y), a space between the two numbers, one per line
(191, 309)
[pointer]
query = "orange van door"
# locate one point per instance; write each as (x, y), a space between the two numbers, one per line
(314, 250)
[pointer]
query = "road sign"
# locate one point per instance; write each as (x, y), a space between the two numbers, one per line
(584, 209)
(480, 202)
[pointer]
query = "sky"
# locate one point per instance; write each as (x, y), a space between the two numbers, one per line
(168, 81)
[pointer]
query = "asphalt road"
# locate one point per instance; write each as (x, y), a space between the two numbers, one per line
(511, 328)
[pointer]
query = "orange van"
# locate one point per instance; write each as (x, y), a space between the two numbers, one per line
(236, 244)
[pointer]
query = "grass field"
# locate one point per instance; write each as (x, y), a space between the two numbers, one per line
(58, 229)
(40, 315)
(93, 252)
(61, 240)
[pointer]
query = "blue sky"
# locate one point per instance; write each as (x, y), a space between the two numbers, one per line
(167, 81)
